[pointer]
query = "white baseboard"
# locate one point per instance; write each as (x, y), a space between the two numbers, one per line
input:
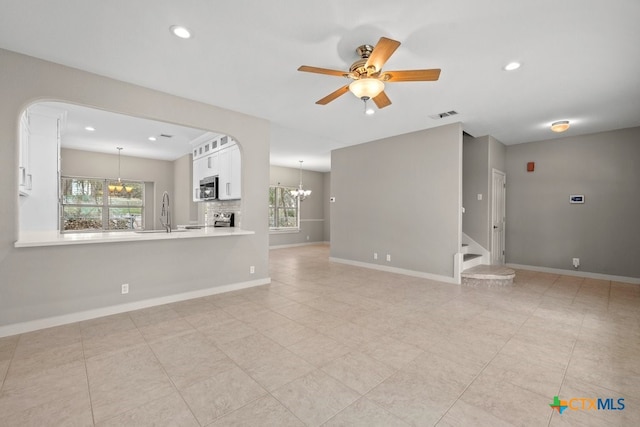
(293, 245)
(632, 280)
(397, 270)
(34, 325)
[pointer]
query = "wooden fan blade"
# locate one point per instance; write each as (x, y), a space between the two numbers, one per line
(381, 53)
(412, 75)
(327, 71)
(333, 95)
(382, 100)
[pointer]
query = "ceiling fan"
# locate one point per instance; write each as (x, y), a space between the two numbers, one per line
(368, 77)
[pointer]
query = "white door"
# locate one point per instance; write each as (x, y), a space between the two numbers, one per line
(499, 184)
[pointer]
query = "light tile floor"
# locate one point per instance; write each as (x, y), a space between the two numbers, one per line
(337, 345)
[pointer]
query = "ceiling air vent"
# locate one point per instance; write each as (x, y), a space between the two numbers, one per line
(443, 115)
(164, 135)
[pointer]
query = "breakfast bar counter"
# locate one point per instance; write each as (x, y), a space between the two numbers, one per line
(54, 238)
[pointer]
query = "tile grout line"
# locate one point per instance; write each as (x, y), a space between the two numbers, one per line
(86, 373)
(13, 355)
(566, 369)
(487, 364)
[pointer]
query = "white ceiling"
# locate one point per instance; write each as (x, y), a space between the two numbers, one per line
(579, 58)
(111, 130)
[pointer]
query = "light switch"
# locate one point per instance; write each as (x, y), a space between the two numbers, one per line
(479, 196)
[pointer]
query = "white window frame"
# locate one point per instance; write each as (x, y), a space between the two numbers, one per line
(277, 228)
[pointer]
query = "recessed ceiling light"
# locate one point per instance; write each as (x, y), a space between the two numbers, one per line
(560, 126)
(89, 128)
(152, 138)
(181, 32)
(512, 66)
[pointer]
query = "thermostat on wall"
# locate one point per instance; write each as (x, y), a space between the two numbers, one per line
(576, 198)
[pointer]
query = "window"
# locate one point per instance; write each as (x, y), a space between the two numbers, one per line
(283, 209)
(86, 206)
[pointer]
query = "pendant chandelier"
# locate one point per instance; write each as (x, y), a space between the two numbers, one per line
(301, 193)
(119, 186)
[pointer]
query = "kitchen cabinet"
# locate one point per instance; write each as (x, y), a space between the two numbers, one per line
(229, 183)
(199, 167)
(218, 157)
(25, 175)
(205, 164)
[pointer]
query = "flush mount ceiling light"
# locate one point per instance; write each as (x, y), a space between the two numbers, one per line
(180, 32)
(89, 128)
(560, 126)
(301, 193)
(152, 138)
(511, 66)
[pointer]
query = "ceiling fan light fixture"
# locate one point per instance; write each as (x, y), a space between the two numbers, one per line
(560, 126)
(366, 87)
(368, 109)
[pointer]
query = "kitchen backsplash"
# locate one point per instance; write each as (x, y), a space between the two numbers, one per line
(222, 206)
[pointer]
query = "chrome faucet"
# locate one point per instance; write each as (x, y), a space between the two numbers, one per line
(165, 213)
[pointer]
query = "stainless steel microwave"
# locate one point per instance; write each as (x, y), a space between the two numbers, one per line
(209, 188)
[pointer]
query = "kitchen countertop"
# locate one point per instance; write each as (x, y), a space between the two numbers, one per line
(53, 238)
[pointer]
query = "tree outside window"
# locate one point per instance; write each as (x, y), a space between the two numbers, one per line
(283, 209)
(98, 204)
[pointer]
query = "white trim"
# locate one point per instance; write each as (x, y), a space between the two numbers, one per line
(632, 280)
(34, 325)
(293, 245)
(284, 230)
(397, 270)
(476, 248)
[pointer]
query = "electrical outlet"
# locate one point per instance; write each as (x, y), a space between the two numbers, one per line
(389, 257)
(375, 255)
(576, 262)
(307, 237)
(125, 288)
(252, 269)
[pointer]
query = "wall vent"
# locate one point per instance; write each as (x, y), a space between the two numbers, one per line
(164, 135)
(443, 115)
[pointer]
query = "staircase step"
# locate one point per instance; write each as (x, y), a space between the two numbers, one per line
(465, 248)
(488, 275)
(469, 257)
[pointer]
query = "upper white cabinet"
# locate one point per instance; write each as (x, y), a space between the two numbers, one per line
(25, 175)
(219, 156)
(230, 173)
(40, 130)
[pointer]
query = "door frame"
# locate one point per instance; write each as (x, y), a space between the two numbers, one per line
(496, 257)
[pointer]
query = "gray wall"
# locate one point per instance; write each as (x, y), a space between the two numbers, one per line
(400, 196)
(71, 279)
(100, 165)
(544, 230)
(475, 172)
(185, 210)
(327, 206)
(480, 156)
(497, 156)
(312, 214)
